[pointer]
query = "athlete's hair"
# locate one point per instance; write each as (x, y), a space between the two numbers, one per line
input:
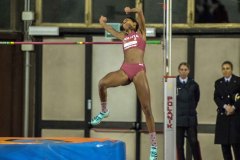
(132, 19)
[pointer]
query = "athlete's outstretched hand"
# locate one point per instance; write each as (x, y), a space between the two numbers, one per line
(127, 10)
(102, 19)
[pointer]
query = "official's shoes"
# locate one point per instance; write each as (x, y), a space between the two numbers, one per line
(96, 120)
(153, 153)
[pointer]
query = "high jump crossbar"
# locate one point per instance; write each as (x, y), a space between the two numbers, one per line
(69, 43)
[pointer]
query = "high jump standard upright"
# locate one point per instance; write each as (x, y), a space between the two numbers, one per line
(169, 86)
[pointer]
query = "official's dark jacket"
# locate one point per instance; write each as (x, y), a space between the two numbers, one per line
(227, 127)
(187, 99)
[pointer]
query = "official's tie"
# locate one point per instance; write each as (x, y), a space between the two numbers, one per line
(227, 82)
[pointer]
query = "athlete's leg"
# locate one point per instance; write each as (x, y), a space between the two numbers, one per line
(112, 79)
(143, 92)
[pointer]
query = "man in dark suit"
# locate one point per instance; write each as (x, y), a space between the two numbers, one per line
(226, 96)
(187, 100)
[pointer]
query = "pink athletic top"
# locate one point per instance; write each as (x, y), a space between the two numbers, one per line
(133, 40)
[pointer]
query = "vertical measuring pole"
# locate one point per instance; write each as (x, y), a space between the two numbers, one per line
(170, 118)
(169, 86)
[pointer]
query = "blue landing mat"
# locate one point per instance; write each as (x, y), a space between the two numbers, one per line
(61, 149)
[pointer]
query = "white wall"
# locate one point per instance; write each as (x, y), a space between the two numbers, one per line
(63, 79)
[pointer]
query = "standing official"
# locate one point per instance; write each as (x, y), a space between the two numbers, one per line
(187, 100)
(226, 97)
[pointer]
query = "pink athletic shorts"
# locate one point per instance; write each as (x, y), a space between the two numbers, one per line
(132, 69)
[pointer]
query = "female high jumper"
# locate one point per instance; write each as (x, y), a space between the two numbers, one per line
(133, 36)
